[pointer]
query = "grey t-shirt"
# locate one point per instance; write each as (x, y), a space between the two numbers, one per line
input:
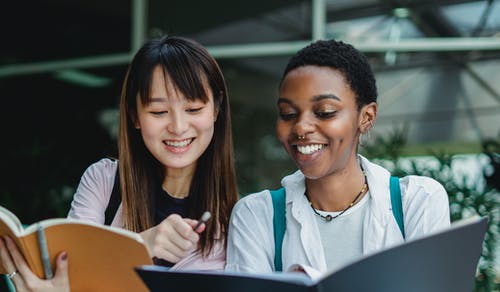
(342, 237)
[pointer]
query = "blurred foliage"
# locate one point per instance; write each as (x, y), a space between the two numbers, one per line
(261, 161)
(467, 195)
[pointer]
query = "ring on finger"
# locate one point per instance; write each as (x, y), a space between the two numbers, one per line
(11, 275)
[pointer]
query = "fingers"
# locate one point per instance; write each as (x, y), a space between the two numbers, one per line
(172, 239)
(177, 237)
(25, 279)
(169, 255)
(194, 225)
(17, 257)
(61, 278)
(170, 248)
(184, 227)
(19, 262)
(9, 264)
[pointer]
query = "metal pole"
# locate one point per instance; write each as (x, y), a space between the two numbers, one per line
(269, 49)
(139, 23)
(318, 15)
(78, 63)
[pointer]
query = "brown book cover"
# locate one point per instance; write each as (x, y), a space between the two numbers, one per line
(101, 258)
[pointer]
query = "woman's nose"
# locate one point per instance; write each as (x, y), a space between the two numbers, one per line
(304, 125)
(178, 124)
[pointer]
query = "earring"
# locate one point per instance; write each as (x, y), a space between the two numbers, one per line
(364, 138)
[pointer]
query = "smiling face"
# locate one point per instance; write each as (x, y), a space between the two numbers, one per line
(175, 130)
(318, 104)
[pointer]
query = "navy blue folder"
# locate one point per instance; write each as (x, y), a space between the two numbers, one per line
(444, 261)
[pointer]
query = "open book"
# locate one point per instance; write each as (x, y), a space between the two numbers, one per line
(101, 258)
(443, 261)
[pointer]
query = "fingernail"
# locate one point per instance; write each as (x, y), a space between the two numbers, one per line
(64, 256)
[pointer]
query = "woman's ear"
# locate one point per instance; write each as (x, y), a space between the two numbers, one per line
(135, 120)
(216, 113)
(367, 117)
(218, 105)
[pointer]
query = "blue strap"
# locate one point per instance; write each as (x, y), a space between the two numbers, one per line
(397, 204)
(8, 283)
(279, 225)
(279, 218)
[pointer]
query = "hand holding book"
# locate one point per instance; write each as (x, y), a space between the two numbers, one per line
(22, 276)
(96, 252)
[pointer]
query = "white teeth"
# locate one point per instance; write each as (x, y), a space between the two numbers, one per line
(182, 143)
(309, 149)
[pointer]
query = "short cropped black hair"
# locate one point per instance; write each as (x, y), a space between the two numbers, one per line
(343, 57)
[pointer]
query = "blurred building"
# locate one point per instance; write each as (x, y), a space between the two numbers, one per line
(437, 65)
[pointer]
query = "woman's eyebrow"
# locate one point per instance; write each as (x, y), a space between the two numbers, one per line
(158, 99)
(320, 97)
(281, 99)
(315, 98)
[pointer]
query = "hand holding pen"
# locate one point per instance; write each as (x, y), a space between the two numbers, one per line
(204, 218)
(175, 237)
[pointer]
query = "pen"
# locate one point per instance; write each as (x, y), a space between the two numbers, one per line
(204, 218)
(44, 252)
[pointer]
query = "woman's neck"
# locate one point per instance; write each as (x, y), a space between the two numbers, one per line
(336, 191)
(177, 182)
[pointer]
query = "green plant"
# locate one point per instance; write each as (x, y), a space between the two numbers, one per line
(467, 195)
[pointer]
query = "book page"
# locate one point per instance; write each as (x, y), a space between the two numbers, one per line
(62, 221)
(11, 221)
(12, 227)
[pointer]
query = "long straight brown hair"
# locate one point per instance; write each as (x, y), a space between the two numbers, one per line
(190, 68)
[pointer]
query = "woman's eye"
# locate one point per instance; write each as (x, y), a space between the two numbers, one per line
(287, 116)
(158, 113)
(325, 115)
(194, 110)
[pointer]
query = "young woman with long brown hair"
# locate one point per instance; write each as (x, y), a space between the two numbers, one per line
(175, 160)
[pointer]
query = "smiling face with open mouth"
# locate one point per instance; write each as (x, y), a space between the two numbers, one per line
(175, 130)
(318, 122)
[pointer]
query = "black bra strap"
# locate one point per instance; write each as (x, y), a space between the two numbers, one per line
(114, 201)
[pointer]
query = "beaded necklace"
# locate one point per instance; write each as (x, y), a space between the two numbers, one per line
(329, 217)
